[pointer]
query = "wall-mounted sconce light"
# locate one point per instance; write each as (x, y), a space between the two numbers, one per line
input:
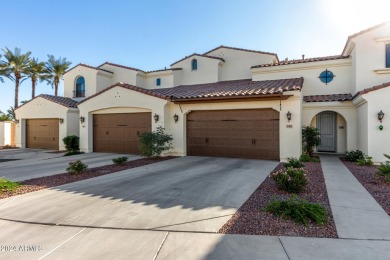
(176, 118)
(381, 115)
(61, 120)
(82, 119)
(156, 117)
(288, 116)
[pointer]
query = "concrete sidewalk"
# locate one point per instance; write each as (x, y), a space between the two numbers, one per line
(66, 242)
(356, 213)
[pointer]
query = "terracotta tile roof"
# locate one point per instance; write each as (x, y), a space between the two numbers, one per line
(151, 71)
(67, 102)
(63, 101)
(240, 49)
(197, 54)
(232, 88)
(336, 57)
(88, 66)
(362, 32)
(130, 87)
(328, 98)
(367, 90)
(120, 66)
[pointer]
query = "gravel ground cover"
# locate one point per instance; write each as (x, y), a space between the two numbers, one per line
(251, 219)
(374, 184)
(64, 178)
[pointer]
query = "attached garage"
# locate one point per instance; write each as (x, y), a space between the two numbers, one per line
(42, 133)
(118, 133)
(247, 133)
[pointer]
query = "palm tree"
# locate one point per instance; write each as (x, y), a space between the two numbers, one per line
(14, 67)
(56, 68)
(2, 70)
(11, 113)
(36, 70)
(4, 117)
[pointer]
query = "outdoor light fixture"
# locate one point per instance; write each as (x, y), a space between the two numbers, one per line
(82, 119)
(61, 120)
(381, 115)
(156, 117)
(176, 118)
(288, 116)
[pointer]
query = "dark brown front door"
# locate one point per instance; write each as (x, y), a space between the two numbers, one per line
(249, 133)
(118, 133)
(42, 134)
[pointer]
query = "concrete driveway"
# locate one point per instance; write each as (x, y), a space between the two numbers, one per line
(32, 163)
(188, 193)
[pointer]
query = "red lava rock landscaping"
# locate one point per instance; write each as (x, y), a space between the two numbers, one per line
(375, 185)
(64, 178)
(250, 219)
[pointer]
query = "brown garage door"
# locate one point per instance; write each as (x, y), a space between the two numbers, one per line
(234, 133)
(118, 133)
(42, 133)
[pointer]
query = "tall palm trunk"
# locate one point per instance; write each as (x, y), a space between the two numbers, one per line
(33, 82)
(16, 92)
(56, 82)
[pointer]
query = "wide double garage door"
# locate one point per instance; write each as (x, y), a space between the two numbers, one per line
(119, 133)
(42, 133)
(252, 133)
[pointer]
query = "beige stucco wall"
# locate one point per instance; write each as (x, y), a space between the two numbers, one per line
(122, 75)
(103, 80)
(238, 63)
(42, 108)
(369, 53)
(90, 76)
(167, 80)
(346, 116)
(207, 71)
(117, 100)
(378, 141)
(362, 124)
(341, 84)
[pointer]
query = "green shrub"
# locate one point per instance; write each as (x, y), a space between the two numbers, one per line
(76, 167)
(290, 179)
(293, 162)
(70, 153)
(8, 185)
(120, 160)
(310, 139)
(365, 161)
(71, 143)
(154, 143)
(306, 158)
(384, 169)
(298, 210)
(354, 156)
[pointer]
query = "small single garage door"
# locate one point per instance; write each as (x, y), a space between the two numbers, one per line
(252, 134)
(42, 133)
(118, 133)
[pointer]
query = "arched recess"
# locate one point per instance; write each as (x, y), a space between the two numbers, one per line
(79, 89)
(333, 128)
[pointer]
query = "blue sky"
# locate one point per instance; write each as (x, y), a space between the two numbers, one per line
(153, 34)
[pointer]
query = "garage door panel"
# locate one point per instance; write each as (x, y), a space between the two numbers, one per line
(234, 133)
(42, 133)
(122, 132)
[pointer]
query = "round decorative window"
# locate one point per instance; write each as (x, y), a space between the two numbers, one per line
(326, 76)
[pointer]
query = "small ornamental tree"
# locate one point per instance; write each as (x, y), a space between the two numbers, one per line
(152, 144)
(310, 139)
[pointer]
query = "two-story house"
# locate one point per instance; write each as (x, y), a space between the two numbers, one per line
(228, 102)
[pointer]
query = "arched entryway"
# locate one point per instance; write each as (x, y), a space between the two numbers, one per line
(333, 131)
